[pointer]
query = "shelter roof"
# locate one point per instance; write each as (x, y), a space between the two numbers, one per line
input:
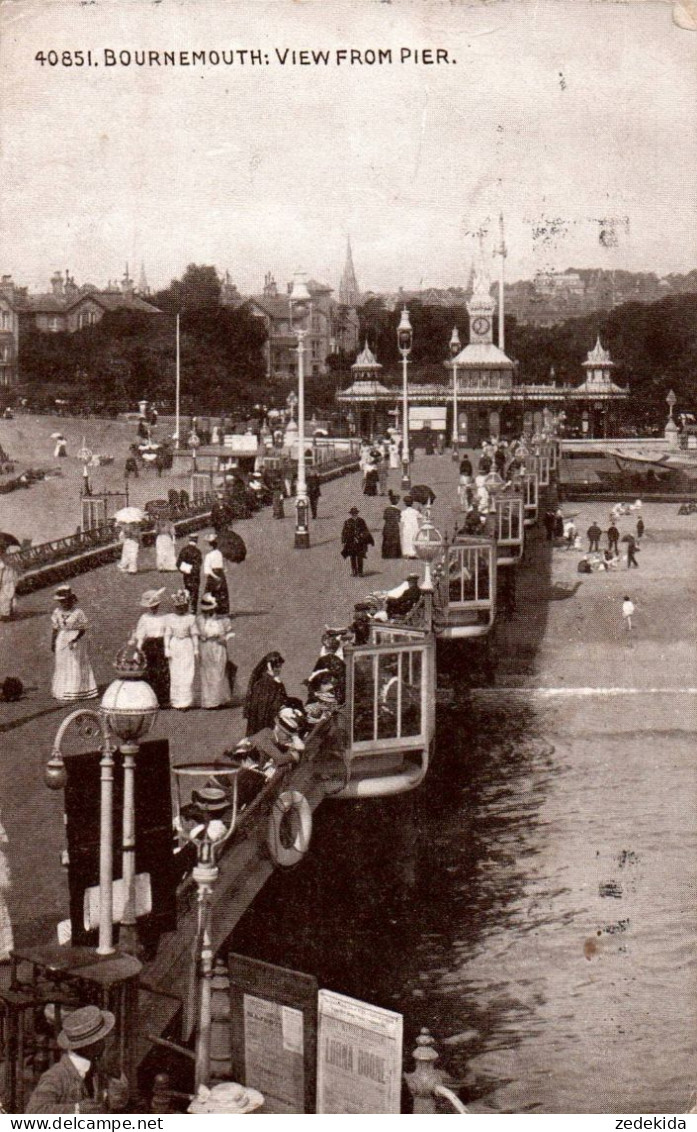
(366, 360)
(482, 355)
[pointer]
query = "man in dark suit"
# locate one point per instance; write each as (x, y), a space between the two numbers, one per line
(189, 565)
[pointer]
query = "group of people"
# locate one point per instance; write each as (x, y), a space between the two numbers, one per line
(562, 530)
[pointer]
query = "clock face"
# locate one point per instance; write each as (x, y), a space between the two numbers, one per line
(481, 325)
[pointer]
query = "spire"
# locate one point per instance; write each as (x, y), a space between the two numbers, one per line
(349, 294)
(143, 288)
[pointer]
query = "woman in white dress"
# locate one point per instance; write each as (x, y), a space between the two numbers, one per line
(9, 576)
(165, 553)
(129, 549)
(214, 632)
(182, 651)
(73, 678)
(409, 525)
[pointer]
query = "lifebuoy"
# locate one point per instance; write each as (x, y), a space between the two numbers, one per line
(291, 808)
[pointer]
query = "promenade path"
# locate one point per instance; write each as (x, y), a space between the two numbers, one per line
(281, 598)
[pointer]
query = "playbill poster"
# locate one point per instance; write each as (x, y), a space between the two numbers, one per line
(406, 155)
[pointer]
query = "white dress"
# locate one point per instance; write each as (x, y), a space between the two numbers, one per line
(215, 686)
(73, 678)
(409, 524)
(165, 553)
(181, 650)
(129, 556)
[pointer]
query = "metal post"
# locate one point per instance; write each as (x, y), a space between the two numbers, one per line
(106, 852)
(220, 1052)
(205, 875)
(177, 392)
(128, 938)
(302, 503)
(406, 478)
(456, 431)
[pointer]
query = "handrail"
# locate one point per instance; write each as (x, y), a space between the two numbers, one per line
(449, 1095)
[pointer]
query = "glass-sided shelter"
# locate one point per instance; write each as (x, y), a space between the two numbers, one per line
(390, 698)
(542, 465)
(530, 488)
(465, 597)
(509, 527)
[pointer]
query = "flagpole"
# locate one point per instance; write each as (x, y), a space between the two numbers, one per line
(176, 424)
(502, 253)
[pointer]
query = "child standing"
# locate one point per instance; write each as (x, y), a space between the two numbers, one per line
(628, 609)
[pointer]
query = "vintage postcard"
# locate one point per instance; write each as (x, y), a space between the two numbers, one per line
(347, 358)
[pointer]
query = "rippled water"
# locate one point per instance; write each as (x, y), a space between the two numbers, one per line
(533, 905)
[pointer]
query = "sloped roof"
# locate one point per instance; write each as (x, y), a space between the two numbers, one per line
(481, 355)
(313, 286)
(276, 306)
(598, 356)
(366, 360)
(364, 389)
(115, 300)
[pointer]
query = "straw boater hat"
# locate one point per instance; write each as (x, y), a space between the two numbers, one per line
(85, 1027)
(211, 538)
(208, 601)
(193, 538)
(151, 598)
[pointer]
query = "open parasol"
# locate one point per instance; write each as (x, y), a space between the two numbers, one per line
(7, 540)
(129, 515)
(57, 436)
(422, 493)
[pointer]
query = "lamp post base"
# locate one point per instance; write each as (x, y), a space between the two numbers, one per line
(405, 482)
(302, 539)
(129, 943)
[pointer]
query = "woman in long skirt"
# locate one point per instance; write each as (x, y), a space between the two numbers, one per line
(370, 483)
(214, 632)
(165, 553)
(129, 550)
(149, 636)
(391, 543)
(182, 651)
(9, 576)
(73, 678)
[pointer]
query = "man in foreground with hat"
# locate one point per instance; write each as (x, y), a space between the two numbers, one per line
(65, 1086)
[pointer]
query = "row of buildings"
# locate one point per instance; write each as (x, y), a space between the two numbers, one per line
(67, 307)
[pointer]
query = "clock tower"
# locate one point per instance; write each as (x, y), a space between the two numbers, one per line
(481, 312)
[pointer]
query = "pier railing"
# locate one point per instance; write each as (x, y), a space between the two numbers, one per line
(49, 563)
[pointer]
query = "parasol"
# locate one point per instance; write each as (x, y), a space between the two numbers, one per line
(57, 436)
(422, 493)
(129, 515)
(7, 540)
(627, 538)
(232, 546)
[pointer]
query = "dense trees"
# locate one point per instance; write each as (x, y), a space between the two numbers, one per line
(129, 354)
(653, 345)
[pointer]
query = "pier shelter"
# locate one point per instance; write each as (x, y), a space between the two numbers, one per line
(484, 390)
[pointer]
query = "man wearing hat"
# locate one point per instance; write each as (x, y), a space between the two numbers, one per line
(403, 597)
(189, 565)
(355, 540)
(280, 745)
(65, 1086)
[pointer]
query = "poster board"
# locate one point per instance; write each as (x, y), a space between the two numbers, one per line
(274, 1033)
(359, 1063)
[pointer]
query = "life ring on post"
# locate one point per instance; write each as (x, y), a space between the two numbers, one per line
(290, 828)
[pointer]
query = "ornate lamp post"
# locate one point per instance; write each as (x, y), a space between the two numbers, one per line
(127, 713)
(455, 347)
(428, 544)
(299, 302)
(671, 429)
(129, 706)
(207, 821)
(404, 344)
(89, 723)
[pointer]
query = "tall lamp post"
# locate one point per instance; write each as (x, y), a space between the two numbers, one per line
(129, 706)
(455, 347)
(127, 712)
(299, 301)
(404, 344)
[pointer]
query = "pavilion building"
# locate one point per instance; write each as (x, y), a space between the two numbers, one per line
(484, 385)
